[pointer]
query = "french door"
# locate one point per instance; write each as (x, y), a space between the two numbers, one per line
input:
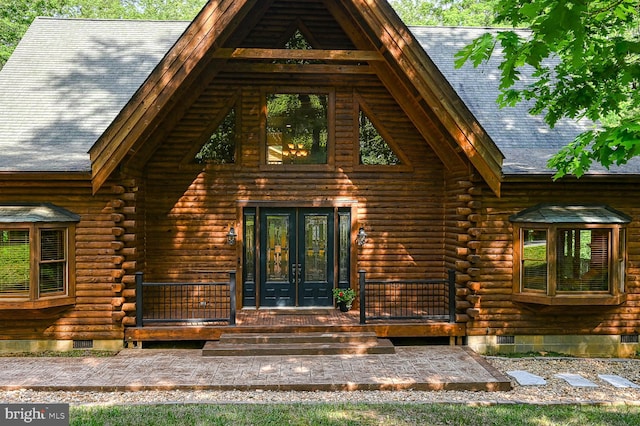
(296, 257)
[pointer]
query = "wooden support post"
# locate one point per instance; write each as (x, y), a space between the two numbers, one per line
(363, 316)
(139, 278)
(232, 297)
(452, 295)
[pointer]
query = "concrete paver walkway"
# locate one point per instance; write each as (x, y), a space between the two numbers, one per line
(418, 368)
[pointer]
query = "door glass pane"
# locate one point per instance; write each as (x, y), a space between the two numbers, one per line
(315, 248)
(249, 247)
(277, 248)
(344, 230)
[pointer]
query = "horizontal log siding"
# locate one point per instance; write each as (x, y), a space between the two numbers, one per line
(96, 312)
(189, 210)
(275, 25)
(491, 278)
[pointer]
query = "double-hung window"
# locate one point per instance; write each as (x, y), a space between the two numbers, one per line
(36, 256)
(569, 255)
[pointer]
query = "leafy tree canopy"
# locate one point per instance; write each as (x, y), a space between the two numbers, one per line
(17, 15)
(446, 12)
(585, 57)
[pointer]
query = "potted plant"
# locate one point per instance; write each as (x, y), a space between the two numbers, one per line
(344, 298)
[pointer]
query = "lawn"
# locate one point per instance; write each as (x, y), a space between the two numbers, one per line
(354, 414)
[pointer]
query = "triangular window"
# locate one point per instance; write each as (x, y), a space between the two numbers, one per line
(221, 146)
(374, 149)
(298, 42)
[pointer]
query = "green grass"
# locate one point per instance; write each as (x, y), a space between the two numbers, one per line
(355, 414)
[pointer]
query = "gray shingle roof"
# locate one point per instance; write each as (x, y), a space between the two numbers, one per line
(526, 141)
(558, 213)
(69, 78)
(34, 212)
(65, 83)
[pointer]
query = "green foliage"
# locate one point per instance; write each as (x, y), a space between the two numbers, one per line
(446, 12)
(300, 120)
(374, 149)
(221, 146)
(585, 58)
(346, 295)
(17, 15)
(14, 261)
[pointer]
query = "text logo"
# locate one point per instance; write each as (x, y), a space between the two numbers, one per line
(34, 414)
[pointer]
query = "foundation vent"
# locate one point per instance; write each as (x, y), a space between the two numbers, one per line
(629, 338)
(506, 340)
(83, 344)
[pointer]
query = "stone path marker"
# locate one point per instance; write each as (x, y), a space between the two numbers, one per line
(524, 378)
(617, 381)
(576, 380)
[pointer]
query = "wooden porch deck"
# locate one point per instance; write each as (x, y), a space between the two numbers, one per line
(294, 321)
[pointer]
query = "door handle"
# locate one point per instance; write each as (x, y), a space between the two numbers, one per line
(296, 271)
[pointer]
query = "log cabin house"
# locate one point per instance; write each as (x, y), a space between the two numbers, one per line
(166, 180)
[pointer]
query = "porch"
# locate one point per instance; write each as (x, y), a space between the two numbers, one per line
(204, 311)
(295, 321)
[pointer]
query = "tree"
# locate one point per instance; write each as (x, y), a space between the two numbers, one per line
(17, 15)
(445, 12)
(584, 56)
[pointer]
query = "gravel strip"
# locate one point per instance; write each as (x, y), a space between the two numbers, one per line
(556, 391)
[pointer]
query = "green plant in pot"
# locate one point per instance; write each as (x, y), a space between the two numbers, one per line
(344, 298)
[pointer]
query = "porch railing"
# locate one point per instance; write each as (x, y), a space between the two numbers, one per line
(185, 302)
(408, 299)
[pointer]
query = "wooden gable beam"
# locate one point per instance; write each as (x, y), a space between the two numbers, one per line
(310, 54)
(407, 97)
(397, 44)
(157, 94)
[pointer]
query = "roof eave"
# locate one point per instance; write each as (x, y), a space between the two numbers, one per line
(156, 93)
(435, 89)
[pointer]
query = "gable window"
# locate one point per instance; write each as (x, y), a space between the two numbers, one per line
(221, 146)
(374, 149)
(297, 128)
(35, 256)
(569, 255)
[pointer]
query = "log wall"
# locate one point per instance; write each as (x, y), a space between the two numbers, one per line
(189, 209)
(490, 279)
(97, 313)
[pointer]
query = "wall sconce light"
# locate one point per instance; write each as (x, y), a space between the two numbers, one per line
(361, 238)
(231, 236)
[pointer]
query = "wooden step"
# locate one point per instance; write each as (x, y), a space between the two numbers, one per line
(253, 344)
(310, 337)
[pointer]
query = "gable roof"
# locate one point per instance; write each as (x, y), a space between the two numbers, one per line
(66, 82)
(75, 85)
(526, 140)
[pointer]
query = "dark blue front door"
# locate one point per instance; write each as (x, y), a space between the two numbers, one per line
(297, 252)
